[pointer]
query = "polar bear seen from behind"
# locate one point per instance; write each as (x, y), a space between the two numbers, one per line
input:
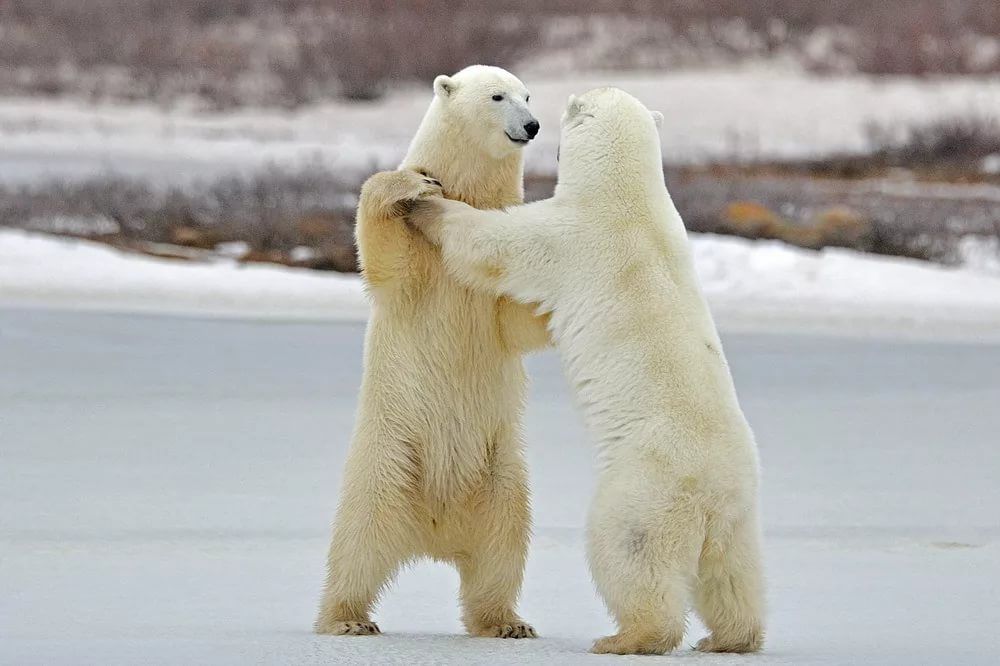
(436, 467)
(675, 507)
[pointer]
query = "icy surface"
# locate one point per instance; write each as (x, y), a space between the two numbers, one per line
(750, 285)
(749, 113)
(166, 486)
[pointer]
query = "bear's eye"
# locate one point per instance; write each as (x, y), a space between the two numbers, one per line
(497, 98)
(527, 98)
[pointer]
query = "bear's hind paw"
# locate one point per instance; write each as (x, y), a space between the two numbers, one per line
(631, 643)
(350, 628)
(508, 630)
(710, 644)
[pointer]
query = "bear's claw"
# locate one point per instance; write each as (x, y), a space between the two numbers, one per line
(353, 628)
(512, 630)
(429, 178)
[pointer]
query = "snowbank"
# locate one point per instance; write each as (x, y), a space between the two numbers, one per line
(36, 269)
(750, 286)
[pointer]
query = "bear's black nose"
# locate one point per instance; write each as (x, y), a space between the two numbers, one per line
(532, 129)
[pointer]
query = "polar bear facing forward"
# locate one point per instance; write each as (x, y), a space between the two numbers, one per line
(675, 508)
(436, 467)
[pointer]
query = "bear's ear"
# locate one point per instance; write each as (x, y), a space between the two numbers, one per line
(657, 119)
(444, 86)
(573, 106)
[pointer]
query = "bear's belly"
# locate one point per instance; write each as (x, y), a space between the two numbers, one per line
(456, 392)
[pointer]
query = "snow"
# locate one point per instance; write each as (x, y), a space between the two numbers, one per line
(980, 254)
(753, 112)
(73, 224)
(762, 285)
(167, 484)
(63, 272)
(991, 163)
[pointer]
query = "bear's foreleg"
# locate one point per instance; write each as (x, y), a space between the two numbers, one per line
(384, 243)
(501, 252)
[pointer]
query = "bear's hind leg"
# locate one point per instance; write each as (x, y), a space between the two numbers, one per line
(648, 604)
(643, 560)
(374, 534)
(492, 569)
(729, 595)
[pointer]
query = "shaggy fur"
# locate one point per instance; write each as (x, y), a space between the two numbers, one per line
(676, 500)
(436, 465)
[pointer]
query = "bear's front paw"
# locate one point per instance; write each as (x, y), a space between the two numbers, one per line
(424, 213)
(426, 186)
(391, 193)
(349, 628)
(429, 178)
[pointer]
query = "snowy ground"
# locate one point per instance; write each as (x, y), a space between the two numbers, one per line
(751, 286)
(166, 485)
(750, 113)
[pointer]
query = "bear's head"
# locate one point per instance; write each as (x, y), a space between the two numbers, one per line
(607, 127)
(490, 106)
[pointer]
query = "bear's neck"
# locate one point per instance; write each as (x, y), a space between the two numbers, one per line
(467, 172)
(611, 169)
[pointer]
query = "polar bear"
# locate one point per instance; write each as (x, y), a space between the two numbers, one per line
(676, 499)
(436, 465)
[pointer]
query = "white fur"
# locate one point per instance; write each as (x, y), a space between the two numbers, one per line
(676, 500)
(465, 102)
(436, 466)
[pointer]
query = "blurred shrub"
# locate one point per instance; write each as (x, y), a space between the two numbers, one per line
(367, 44)
(958, 141)
(272, 213)
(836, 226)
(289, 52)
(305, 217)
(233, 52)
(750, 219)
